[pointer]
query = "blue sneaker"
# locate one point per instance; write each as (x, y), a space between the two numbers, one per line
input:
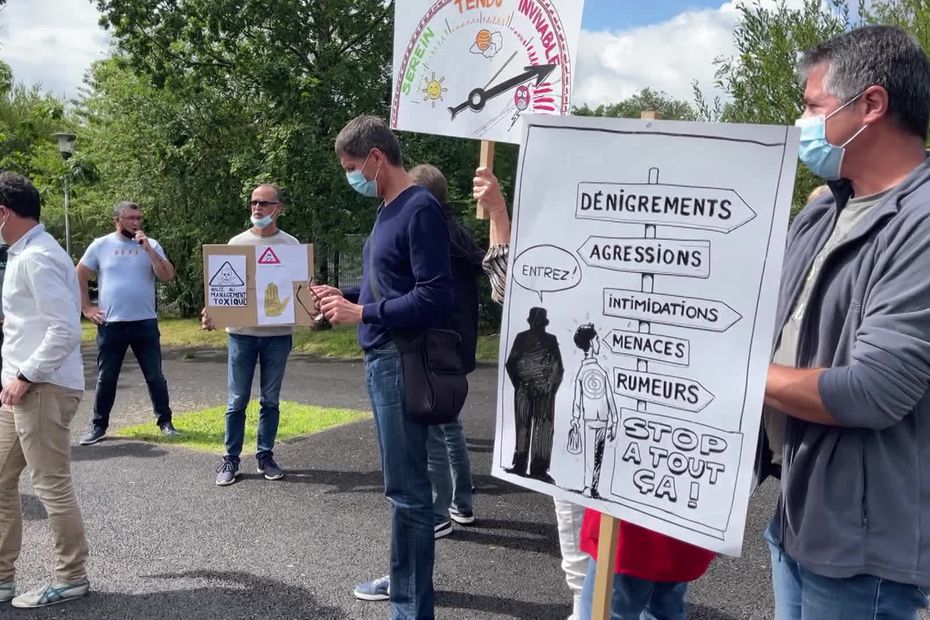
(7, 591)
(377, 590)
(270, 469)
(51, 593)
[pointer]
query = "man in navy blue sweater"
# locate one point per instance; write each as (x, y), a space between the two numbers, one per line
(406, 285)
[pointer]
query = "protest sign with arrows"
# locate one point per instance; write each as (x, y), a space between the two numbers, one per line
(663, 241)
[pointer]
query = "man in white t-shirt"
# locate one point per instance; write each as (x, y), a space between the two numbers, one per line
(127, 264)
(268, 347)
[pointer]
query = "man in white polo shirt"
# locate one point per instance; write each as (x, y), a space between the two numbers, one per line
(43, 380)
(127, 263)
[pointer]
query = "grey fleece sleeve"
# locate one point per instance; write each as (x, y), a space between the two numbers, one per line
(890, 368)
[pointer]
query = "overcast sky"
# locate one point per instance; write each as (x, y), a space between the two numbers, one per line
(626, 45)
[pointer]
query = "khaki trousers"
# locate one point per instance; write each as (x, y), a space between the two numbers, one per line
(37, 433)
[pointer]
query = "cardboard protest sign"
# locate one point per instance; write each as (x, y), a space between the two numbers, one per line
(252, 286)
(473, 68)
(639, 315)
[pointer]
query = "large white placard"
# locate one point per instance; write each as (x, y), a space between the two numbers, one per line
(639, 317)
(474, 68)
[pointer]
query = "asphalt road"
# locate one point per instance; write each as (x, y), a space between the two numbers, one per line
(167, 543)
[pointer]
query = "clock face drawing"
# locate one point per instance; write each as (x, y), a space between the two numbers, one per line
(474, 68)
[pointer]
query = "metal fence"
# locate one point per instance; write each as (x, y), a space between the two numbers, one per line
(346, 262)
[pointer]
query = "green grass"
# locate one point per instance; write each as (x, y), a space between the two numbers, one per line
(204, 429)
(336, 343)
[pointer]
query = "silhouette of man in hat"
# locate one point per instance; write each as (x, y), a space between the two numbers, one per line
(535, 369)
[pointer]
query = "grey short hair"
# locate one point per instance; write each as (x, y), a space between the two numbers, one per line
(122, 206)
(364, 133)
(430, 177)
(278, 192)
(883, 56)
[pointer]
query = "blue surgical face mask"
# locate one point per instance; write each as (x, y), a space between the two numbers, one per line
(822, 158)
(262, 222)
(362, 185)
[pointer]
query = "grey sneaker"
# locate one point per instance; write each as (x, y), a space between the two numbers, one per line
(51, 593)
(226, 473)
(168, 430)
(95, 434)
(377, 590)
(270, 469)
(7, 591)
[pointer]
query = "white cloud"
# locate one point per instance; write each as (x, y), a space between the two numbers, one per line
(51, 42)
(666, 56)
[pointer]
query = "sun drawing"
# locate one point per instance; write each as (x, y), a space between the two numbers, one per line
(434, 89)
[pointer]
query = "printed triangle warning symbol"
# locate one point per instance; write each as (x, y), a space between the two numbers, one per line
(226, 276)
(268, 257)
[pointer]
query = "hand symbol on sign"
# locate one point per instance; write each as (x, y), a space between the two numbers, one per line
(273, 305)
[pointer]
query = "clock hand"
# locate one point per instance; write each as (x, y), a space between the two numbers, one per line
(501, 70)
(476, 94)
(540, 72)
(478, 97)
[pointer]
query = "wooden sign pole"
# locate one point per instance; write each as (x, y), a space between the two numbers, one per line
(606, 558)
(607, 539)
(486, 160)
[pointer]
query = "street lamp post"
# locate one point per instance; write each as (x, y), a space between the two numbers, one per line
(66, 149)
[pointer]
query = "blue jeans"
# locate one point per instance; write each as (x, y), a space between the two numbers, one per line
(449, 470)
(270, 352)
(637, 599)
(799, 593)
(402, 443)
(113, 339)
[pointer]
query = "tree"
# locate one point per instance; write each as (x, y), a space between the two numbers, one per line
(761, 80)
(912, 15)
(646, 99)
(28, 117)
(224, 94)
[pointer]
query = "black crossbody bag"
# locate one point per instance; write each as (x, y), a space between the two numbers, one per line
(435, 385)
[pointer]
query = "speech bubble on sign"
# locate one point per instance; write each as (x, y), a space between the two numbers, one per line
(546, 269)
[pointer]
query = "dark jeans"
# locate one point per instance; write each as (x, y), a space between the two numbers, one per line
(270, 353)
(402, 443)
(145, 341)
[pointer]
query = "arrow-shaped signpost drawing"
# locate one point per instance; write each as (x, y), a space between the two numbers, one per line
(687, 258)
(478, 97)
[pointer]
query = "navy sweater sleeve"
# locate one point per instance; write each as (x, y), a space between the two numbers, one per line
(432, 293)
(351, 293)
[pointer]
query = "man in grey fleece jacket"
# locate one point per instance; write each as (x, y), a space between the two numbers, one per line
(851, 370)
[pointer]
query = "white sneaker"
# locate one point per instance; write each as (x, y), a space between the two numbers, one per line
(51, 593)
(442, 530)
(7, 591)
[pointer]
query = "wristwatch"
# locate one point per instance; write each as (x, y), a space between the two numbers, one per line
(21, 377)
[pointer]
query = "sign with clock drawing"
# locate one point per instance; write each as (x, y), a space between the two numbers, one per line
(473, 68)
